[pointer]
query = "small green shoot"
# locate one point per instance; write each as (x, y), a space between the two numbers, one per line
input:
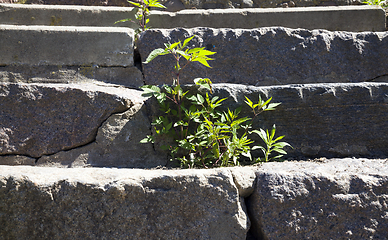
(272, 145)
(142, 12)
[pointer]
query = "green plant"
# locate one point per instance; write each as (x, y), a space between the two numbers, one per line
(142, 13)
(202, 135)
(381, 3)
(272, 145)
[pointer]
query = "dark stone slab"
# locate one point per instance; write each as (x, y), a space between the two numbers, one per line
(272, 56)
(321, 120)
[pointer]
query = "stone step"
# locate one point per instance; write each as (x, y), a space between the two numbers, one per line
(289, 200)
(344, 18)
(88, 125)
(272, 56)
(66, 46)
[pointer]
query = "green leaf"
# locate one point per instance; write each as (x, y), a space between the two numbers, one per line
(279, 150)
(272, 106)
(187, 40)
(201, 100)
(282, 145)
(203, 62)
(150, 90)
(249, 102)
(135, 4)
(123, 20)
(148, 139)
(157, 5)
(279, 138)
(155, 53)
(173, 45)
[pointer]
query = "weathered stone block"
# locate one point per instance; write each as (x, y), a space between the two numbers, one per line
(336, 199)
(125, 76)
(205, 3)
(272, 56)
(117, 144)
(321, 120)
(318, 120)
(98, 203)
(352, 18)
(38, 119)
(344, 18)
(48, 45)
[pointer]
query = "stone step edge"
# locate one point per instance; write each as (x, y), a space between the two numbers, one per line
(66, 45)
(343, 18)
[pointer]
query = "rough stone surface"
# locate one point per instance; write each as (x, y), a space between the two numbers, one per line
(49, 45)
(65, 15)
(125, 76)
(98, 203)
(318, 120)
(13, 160)
(336, 199)
(321, 120)
(344, 18)
(117, 145)
(353, 18)
(272, 56)
(205, 4)
(38, 119)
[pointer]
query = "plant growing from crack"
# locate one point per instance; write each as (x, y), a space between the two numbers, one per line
(202, 135)
(142, 12)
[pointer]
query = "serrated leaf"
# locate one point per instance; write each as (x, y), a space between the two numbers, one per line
(203, 62)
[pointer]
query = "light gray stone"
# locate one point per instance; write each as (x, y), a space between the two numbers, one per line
(345, 18)
(205, 3)
(117, 144)
(38, 119)
(70, 45)
(64, 15)
(125, 76)
(335, 199)
(271, 56)
(209, 4)
(353, 18)
(16, 160)
(244, 178)
(101, 203)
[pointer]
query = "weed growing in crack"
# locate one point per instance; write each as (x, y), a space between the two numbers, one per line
(202, 135)
(142, 12)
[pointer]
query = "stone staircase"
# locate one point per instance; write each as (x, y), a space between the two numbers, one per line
(72, 116)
